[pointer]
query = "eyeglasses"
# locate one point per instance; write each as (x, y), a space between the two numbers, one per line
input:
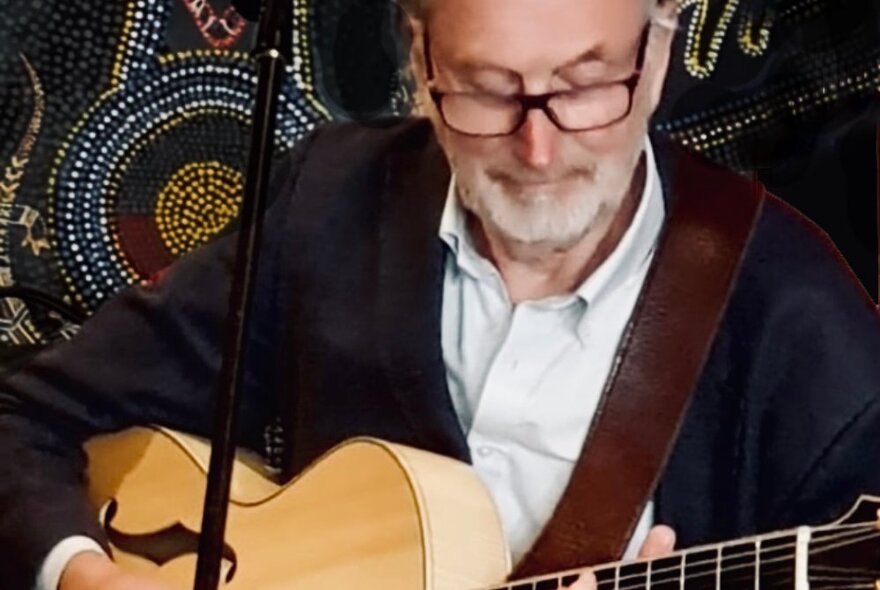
(586, 108)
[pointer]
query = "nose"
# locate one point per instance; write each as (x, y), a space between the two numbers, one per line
(536, 140)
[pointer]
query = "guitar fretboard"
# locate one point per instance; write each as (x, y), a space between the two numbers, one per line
(758, 563)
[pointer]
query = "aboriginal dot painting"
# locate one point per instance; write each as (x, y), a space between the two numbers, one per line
(124, 129)
(754, 80)
(124, 123)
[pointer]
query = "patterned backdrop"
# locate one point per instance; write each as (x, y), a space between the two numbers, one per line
(123, 123)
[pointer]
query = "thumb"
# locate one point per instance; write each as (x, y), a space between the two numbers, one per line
(659, 542)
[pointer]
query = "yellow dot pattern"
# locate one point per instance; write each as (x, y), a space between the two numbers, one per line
(198, 200)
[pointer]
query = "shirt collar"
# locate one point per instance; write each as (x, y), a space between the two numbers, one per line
(452, 225)
(637, 243)
(630, 256)
(454, 232)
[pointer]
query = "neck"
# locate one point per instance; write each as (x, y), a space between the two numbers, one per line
(535, 270)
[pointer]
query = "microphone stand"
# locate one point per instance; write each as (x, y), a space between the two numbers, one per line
(272, 52)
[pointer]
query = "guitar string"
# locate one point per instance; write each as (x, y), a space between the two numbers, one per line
(844, 543)
(831, 528)
(764, 574)
(769, 579)
(850, 536)
(782, 583)
(819, 533)
(764, 551)
(785, 572)
(820, 569)
(788, 583)
(841, 578)
(785, 581)
(854, 533)
(842, 569)
(788, 579)
(838, 579)
(815, 581)
(750, 566)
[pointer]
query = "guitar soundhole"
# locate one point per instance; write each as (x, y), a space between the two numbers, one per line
(162, 546)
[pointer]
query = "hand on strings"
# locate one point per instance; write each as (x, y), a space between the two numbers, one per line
(659, 542)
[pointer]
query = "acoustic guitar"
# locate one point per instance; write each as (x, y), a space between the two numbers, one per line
(370, 515)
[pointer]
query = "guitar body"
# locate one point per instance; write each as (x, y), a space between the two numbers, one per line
(378, 516)
(369, 514)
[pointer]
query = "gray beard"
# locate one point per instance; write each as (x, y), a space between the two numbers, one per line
(545, 220)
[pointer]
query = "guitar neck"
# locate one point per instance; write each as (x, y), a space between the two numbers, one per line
(761, 562)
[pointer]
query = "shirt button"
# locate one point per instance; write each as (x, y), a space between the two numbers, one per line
(485, 451)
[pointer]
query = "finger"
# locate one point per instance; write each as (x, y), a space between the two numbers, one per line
(659, 542)
(586, 581)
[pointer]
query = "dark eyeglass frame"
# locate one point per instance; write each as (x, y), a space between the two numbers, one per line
(530, 102)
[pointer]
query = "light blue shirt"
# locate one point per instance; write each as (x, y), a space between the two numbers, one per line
(526, 379)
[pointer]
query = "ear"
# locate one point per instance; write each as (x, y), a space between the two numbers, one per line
(415, 33)
(659, 50)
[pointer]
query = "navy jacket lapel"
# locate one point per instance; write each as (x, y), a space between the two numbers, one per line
(410, 291)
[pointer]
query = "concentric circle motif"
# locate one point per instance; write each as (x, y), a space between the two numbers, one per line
(155, 167)
(198, 201)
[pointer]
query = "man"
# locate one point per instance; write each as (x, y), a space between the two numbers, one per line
(461, 286)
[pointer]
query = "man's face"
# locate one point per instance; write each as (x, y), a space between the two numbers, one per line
(541, 184)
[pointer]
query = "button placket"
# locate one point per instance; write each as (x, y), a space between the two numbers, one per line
(485, 451)
(491, 414)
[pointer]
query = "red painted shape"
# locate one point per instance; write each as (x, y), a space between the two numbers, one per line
(219, 31)
(142, 244)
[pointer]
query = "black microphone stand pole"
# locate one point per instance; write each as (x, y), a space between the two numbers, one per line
(272, 52)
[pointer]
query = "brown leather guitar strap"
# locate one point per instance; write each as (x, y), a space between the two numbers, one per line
(711, 218)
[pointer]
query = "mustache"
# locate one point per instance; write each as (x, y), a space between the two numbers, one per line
(516, 175)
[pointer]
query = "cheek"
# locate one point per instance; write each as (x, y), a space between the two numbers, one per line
(609, 142)
(472, 152)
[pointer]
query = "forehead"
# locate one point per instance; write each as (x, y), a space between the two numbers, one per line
(527, 35)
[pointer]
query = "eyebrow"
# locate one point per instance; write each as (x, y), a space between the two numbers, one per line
(596, 53)
(477, 66)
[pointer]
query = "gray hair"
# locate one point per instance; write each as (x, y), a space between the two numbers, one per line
(419, 10)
